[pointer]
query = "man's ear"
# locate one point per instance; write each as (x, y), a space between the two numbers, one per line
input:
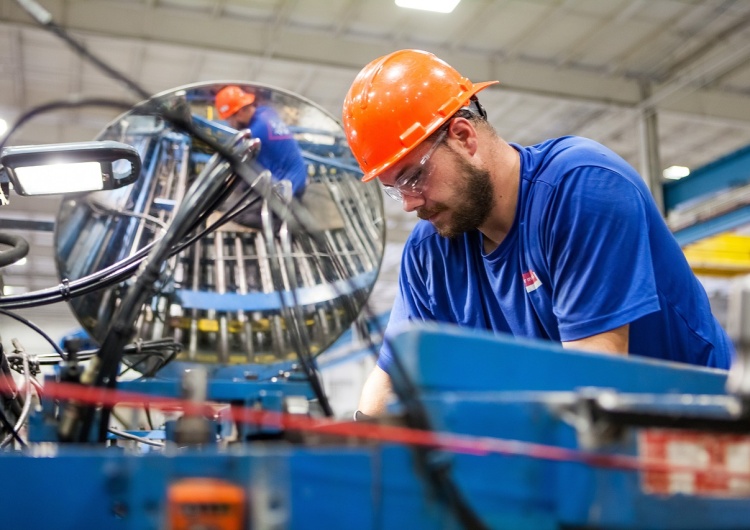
(463, 135)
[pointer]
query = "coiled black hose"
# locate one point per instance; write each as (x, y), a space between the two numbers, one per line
(19, 249)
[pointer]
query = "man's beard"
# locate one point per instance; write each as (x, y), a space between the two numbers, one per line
(475, 199)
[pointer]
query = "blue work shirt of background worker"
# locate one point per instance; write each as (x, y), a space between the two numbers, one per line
(279, 151)
(588, 252)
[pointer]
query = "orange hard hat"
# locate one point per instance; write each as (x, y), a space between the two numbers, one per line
(230, 99)
(396, 102)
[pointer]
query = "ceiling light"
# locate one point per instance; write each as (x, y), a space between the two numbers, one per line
(19, 263)
(438, 6)
(676, 172)
(3, 126)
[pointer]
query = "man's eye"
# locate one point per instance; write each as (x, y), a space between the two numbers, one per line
(412, 180)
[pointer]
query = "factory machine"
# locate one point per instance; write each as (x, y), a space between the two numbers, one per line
(195, 402)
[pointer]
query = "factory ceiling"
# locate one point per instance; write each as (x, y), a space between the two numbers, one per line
(586, 67)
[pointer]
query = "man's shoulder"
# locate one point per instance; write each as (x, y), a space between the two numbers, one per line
(571, 150)
(552, 160)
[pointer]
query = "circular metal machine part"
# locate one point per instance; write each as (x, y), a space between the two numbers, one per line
(236, 296)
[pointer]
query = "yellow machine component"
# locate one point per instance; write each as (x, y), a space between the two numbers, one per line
(722, 255)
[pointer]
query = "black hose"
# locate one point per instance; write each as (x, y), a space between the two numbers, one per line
(19, 249)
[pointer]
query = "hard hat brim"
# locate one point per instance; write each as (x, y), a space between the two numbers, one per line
(376, 172)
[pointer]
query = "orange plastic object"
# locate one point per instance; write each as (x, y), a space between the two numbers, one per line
(194, 503)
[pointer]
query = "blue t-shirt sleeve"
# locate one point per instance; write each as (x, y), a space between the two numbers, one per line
(398, 316)
(409, 303)
(598, 253)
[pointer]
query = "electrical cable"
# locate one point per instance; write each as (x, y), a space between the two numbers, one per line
(150, 347)
(135, 438)
(36, 328)
(150, 354)
(69, 103)
(38, 387)
(150, 422)
(8, 427)
(9, 392)
(44, 18)
(27, 399)
(101, 209)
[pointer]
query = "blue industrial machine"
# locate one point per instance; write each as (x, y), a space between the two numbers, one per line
(226, 425)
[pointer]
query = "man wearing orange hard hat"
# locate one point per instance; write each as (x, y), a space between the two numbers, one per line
(559, 241)
(279, 151)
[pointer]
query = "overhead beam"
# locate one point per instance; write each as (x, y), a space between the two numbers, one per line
(727, 172)
(317, 45)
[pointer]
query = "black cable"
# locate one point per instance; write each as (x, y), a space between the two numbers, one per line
(147, 356)
(147, 410)
(10, 428)
(11, 398)
(69, 103)
(44, 18)
(36, 328)
(9, 394)
(164, 355)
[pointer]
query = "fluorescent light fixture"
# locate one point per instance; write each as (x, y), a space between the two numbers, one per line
(60, 178)
(438, 6)
(676, 172)
(21, 262)
(3, 126)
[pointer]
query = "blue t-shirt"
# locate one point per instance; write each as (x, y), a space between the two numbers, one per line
(279, 151)
(588, 252)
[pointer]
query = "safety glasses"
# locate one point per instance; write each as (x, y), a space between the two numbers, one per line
(411, 181)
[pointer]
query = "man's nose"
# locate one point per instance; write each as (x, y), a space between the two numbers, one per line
(412, 202)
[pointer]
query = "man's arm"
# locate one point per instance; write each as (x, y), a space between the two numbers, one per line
(614, 341)
(375, 392)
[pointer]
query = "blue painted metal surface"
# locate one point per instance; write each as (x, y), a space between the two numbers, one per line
(444, 358)
(269, 301)
(715, 225)
(727, 172)
(471, 383)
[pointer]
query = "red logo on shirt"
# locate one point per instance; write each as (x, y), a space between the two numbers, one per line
(530, 281)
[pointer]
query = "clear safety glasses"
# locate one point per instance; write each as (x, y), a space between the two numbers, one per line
(411, 181)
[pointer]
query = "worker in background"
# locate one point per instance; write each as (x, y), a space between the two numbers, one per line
(560, 241)
(279, 151)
